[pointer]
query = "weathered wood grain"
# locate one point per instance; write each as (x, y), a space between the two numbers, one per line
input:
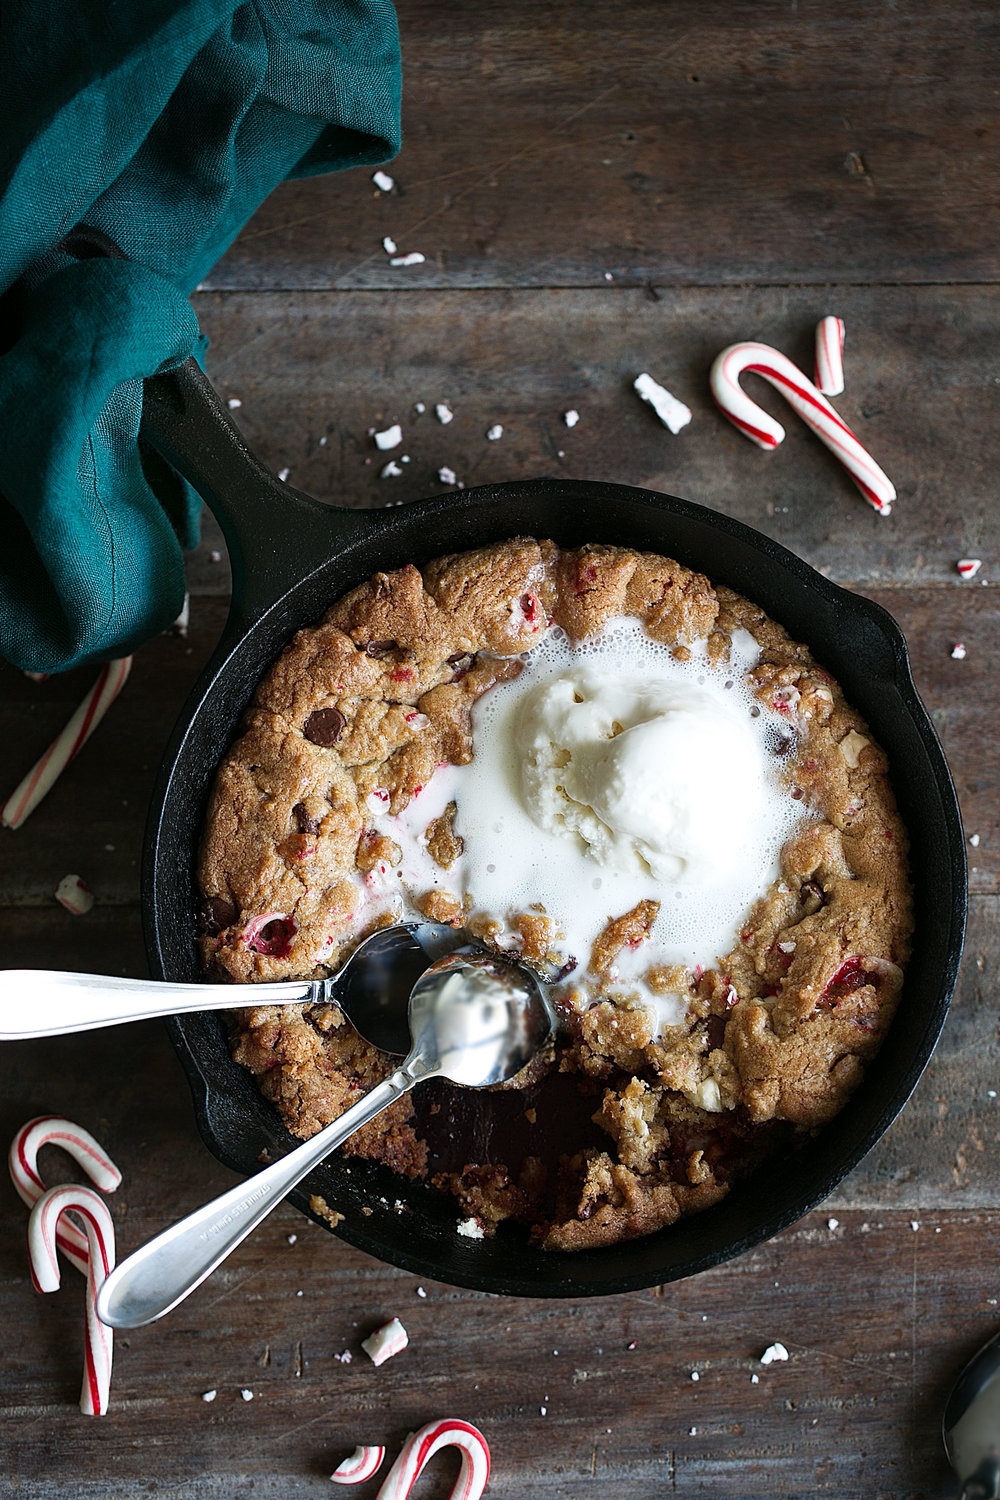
(548, 145)
(316, 373)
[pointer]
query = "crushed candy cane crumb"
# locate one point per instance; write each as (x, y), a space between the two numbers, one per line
(494, 433)
(75, 895)
(247, 1395)
(386, 1341)
(571, 417)
(383, 182)
(413, 259)
(471, 1229)
(389, 245)
(968, 567)
(772, 1353)
(443, 412)
(234, 403)
(391, 470)
(671, 412)
(974, 840)
(209, 1395)
(447, 476)
(958, 651)
(389, 437)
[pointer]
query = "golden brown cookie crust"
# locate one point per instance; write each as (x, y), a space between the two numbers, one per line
(368, 703)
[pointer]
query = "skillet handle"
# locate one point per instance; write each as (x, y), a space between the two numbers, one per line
(271, 529)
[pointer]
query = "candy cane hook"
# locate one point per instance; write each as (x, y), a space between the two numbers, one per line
(421, 1446)
(43, 1226)
(811, 405)
(22, 1159)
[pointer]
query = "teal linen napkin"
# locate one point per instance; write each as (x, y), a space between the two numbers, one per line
(163, 124)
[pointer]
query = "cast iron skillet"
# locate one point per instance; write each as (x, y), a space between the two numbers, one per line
(291, 557)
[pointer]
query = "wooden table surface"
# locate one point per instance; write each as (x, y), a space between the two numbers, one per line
(598, 190)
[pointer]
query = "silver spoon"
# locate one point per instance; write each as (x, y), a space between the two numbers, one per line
(49, 1002)
(971, 1425)
(473, 1019)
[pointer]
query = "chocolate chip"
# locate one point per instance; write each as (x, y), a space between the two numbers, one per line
(303, 822)
(217, 913)
(325, 726)
(380, 648)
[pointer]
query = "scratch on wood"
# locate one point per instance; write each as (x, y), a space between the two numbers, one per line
(265, 1358)
(593, 1461)
(299, 1363)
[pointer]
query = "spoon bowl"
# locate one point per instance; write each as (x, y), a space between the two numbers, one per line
(971, 1425)
(473, 1019)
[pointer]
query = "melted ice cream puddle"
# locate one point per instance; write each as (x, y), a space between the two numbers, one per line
(607, 774)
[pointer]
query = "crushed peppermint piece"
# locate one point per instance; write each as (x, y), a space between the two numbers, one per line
(443, 412)
(283, 475)
(772, 1353)
(958, 651)
(391, 470)
(383, 181)
(215, 557)
(608, 276)
(447, 476)
(914, 1225)
(389, 245)
(344, 1358)
(968, 567)
(571, 417)
(543, 1411)
(209, 1395)
(389, 437)
(421, 1292)
(671, 412)
(634, 1344)
(833, 1223)
(692, 1432)
(413, 259)
(291, 1238)
(234, 403)
(755, 1380)
(322, 442)
(75, 895)
(247, 1395)
(419, 408)
(471, 1228)
(494, 433)
(974, 840)
(695, 1375)
(386, 1341)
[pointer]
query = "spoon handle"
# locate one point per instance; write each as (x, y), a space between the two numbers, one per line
(48, 1002)
(155, 1278)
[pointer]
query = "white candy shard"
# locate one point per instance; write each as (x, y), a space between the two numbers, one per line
(471, 1229)
(362, 1464)
(386, 1341)
(571, 417)
(389, 437)
(830, 356)
(75, 895)
(494, 433)
(209, 1395)
(413, 259)
(391, 470)
(447, 476)
(443, 412)
(383, 181)
(958, 651)
(234, 403)
(772, 1353)
(389, 245)
(671, 412)
(968, 567)
(283, 475)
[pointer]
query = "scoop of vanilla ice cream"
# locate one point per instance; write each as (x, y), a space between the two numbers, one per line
(661, 772)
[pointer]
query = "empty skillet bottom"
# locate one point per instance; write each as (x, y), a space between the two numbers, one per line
(678, 1068)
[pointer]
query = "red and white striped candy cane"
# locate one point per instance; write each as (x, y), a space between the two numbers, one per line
(811, 405)
(421, 1446)
(362, 1464)
(43, 1240)
(830, 356)
(22, 1159)
(40, 779)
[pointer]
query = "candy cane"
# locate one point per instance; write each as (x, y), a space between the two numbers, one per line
(22, 1159)
(830, 356)
(361, 1465)
(40, 779)
(421, 1446)
(43, 1240)
(811, 405)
